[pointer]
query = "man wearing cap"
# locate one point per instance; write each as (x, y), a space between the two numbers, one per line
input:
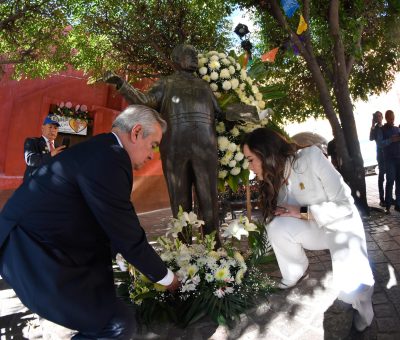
(39, 150)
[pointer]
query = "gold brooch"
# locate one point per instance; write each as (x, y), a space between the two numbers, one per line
(302, 187)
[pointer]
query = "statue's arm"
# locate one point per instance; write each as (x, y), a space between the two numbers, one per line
(131, 94)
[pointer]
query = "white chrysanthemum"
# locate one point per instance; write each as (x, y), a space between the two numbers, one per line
(261, 104)
(222, 174)
(235, 132)
(232, 163)
(254, 88)
(229, 155)
(214, 87)
(209, 277)
(224, 160)
(166, 256)
(220, 127)
(223, 143)
(214, 75)
(231, 59)
(251, 98)
(232, 70)
(239, 156)
(238, 257)
(234, 83)
(238, 67)
(214, 57)
(226, 85)
(214, 65)
(222, 55)
(245, 164)
(203, 70)
(217, 94)
(243, 74)
(242, 86)
(206, 78)
(258, 96)
(239, 276)
(222, 273)
(249, 80)
(213, 254)
(232, 147)
(202, 61)
(210, 53)
(235, 171)
(225, 61)
(224, 74)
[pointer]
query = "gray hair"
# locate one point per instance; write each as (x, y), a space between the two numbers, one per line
(139, 114)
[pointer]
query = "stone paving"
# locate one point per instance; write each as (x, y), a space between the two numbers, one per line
(308, 311)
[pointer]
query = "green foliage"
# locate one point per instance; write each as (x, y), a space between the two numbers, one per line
(371, 35)
(131, 37)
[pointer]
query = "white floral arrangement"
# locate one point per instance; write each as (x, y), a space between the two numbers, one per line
(230, 83)
(233, 166)
(68, 110)
(227, 78)
(220, 283)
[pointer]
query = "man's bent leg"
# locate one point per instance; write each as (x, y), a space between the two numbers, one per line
(121, 326)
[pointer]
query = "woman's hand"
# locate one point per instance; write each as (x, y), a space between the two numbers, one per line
(288, 211)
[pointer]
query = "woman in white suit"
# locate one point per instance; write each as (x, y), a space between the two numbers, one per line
(307, 205)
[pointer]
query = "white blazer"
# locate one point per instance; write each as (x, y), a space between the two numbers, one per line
(314, 182)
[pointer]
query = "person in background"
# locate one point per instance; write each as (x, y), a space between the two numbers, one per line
(389, 140)
(39, 150)
(307, 205)
(61, 227)
(377, 118)
(331, 151)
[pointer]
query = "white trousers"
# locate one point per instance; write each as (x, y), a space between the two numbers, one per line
(345, 240)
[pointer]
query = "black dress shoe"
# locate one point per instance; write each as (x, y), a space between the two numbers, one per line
(387, 210)
(382, 203)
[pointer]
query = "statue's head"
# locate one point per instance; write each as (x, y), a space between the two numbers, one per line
(185, 57)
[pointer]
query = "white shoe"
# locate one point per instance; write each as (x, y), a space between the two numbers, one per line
(364, 312)
(283, 285)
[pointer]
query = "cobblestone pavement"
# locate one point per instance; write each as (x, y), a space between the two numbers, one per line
(308, 311)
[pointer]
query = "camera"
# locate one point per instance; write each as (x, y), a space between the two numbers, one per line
(375, 117)
(66, 141)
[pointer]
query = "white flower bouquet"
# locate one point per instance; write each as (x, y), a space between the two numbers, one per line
(220, 283)
(230, 83)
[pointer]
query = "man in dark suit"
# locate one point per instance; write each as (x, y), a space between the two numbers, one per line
(39, 150)
(60, 227)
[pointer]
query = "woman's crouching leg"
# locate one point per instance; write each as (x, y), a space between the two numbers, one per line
(289, 252)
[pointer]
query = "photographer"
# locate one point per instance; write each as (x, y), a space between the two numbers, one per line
(377, 118)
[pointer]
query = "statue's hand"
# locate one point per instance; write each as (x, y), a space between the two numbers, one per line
(240, 111)
(111, 78)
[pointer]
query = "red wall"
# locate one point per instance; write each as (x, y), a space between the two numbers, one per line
(25, 103)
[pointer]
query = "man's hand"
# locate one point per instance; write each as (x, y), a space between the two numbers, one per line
(111, 78)
(175, 284)
(57, 150)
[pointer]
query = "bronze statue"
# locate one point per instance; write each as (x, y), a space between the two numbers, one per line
(189, 147)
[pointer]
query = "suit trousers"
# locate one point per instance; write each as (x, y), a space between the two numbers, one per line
(290, 236)
(121, 326)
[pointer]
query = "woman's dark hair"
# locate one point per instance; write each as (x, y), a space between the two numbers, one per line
(273, 150)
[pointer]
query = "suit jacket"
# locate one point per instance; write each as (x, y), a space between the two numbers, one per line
(36, 153)
(314, 182)
(58, 229)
